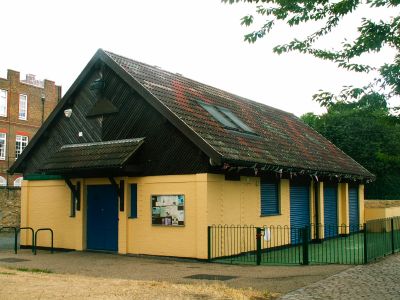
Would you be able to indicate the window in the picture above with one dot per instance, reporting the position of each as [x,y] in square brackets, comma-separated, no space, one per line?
[235,119]
[20,143]
[3,103]
[269,198]
[3,181]
[23,107]
[133,201]
[218,115]
[3,141]
[226,117]
[18,181]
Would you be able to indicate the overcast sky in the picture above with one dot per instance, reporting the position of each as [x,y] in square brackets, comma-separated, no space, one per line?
[202,40]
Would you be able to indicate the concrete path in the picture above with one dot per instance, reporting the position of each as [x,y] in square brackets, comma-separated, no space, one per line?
[277,279]
[378,281]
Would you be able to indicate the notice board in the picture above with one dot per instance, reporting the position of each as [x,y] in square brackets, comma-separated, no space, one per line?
[168,210]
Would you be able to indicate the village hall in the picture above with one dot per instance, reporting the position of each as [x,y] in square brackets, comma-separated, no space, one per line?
[138,160]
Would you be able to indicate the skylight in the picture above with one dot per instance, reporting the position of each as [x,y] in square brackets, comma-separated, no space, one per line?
[226,117]
[235,119]
[218,115]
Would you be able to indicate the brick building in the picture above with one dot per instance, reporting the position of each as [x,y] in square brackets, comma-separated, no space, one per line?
[24,106]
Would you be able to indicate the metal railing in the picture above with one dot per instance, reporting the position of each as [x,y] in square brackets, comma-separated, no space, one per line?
[382,237]
[314,244]
[51,236]
[34,236]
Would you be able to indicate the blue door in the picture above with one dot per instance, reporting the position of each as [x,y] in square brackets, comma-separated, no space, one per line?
[102,218]
[299,210]
[353,209]
[330,210]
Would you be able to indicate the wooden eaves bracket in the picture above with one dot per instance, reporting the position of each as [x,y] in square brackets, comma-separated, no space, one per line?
[119,188]
[75,196]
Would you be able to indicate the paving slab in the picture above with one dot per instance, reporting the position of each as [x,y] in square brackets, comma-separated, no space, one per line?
[379,281]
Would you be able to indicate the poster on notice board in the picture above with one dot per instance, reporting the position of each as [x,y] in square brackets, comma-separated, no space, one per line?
[168,210]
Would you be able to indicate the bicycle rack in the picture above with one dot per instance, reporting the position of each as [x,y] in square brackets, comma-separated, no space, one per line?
[33,236]
[36,234]
[15,235]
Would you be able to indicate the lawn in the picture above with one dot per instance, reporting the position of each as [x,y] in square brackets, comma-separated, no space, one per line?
[339,250]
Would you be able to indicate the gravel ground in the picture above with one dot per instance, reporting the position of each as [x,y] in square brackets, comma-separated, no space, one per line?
[276,279]
[32,284]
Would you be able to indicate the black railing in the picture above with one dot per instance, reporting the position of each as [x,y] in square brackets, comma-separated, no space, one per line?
[382,237]
[34,236]
[314,244]
[51,235]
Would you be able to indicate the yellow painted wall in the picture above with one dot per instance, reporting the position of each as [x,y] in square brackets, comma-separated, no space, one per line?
[343,204]
[209,199]
[189,240]
[381,209]
[361,203]
[321,216]
[47,204]
[234,202]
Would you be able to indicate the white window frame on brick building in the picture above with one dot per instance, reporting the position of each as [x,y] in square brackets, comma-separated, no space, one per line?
[3,181]
[21,141]
[18,182]
[3,103]
[23,107]
[3,144]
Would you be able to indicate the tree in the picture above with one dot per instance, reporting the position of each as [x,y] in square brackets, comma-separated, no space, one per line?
[367,132]
[372,37]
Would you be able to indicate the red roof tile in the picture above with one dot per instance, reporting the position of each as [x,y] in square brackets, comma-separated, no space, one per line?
[282,139]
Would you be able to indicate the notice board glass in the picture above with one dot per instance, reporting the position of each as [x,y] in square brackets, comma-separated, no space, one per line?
[168,210]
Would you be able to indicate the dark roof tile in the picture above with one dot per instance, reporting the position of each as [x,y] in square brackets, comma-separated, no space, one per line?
[100,155]
[283,139]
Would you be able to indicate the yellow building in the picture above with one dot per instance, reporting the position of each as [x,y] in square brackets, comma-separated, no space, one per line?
[138,160]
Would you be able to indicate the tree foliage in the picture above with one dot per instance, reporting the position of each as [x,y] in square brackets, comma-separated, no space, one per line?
[372,37]
[366,131]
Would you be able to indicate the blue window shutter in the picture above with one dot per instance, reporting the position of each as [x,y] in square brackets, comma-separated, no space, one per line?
[133,201]
[269,198]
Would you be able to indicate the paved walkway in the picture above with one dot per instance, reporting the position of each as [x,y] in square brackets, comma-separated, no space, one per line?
[277,279]
[378,281]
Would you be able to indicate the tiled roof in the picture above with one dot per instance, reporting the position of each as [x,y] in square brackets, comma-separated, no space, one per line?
[282,140]
[100,155]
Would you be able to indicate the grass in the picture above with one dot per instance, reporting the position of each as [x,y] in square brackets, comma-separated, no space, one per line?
[34,270]
[340,250]
[7,273]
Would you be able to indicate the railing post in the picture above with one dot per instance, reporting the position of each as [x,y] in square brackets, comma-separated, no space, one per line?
[365,244]
[15,240]
[208,243]
[258,238]
[392,233]
[304,234]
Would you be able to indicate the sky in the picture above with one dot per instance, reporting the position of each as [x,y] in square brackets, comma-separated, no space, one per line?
[202,40]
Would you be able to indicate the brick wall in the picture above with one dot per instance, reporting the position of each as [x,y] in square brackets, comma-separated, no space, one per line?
[38,111]
[10,206]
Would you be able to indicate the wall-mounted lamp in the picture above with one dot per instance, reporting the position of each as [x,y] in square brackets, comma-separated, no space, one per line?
[68,112]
